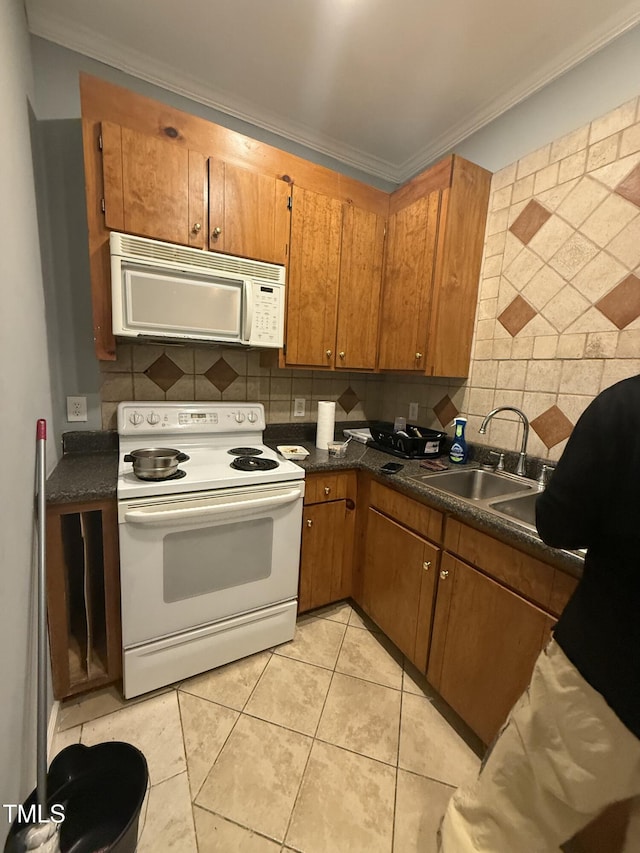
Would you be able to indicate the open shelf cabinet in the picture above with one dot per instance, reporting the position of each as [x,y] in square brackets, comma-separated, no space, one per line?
[83,596]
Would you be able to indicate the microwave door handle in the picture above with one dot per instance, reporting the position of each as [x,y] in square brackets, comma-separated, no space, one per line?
[248,310]
[187,514]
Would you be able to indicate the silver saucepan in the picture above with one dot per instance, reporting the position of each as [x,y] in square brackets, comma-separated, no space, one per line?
[155,463]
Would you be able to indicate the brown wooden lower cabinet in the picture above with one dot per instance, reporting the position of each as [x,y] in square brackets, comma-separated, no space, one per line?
[83,596]
[485,642]
[328,532]
[399,583]
[322,553]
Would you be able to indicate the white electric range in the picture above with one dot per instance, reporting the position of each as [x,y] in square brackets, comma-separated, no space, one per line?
[209,558]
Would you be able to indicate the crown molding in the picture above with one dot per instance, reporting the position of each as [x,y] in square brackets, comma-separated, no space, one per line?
[534,83]
[82,40]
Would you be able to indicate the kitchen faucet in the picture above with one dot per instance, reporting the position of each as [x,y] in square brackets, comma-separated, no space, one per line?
[522,459]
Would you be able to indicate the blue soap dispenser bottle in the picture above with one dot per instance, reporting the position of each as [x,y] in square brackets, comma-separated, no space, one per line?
[459,451]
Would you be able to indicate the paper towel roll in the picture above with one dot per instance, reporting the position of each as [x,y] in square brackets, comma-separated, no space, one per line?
[326,423]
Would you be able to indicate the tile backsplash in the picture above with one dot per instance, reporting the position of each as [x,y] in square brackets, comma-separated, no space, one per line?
[149,372]
[558,315]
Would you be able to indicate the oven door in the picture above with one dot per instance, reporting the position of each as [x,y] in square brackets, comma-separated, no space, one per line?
[191,560]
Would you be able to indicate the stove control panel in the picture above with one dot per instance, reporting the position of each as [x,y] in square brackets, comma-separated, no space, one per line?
[197,418]
[154,417]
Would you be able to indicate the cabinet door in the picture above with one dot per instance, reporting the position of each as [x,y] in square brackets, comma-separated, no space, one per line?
[459,256]
[153,187]
[249,213]
[399,584]
[485,643]
[360,283]
[323,531]
[408,284]
[312,288]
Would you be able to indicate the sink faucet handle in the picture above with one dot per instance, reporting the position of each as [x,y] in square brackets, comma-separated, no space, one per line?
[500,462]
[545,473]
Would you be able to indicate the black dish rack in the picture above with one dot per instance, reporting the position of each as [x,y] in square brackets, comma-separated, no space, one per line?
[414,442]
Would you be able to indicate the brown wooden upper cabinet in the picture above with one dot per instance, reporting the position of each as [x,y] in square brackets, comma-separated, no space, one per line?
[408,285]
[333,289]
[249,213]
[432,269]
[158,188]
[161,173]
[152,187]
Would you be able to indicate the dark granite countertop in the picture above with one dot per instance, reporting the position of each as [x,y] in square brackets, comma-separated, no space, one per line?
[362,457]
[92,475]
[80,477]
[88,469]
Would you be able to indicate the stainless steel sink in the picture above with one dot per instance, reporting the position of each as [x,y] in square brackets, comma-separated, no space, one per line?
[476,484]
[521,508]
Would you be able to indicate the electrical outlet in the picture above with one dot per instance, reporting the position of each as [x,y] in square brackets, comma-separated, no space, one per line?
[76,409]
[413,411]
[299,405]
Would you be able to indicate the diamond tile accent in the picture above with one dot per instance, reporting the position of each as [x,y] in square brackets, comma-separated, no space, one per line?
[445,410]
[553,426]
[164,372]
[348,399]
[622,304]
[221,374]
[516,315]
[530,221]
[630,187]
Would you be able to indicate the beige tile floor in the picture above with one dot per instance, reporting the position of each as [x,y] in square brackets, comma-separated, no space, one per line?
[331,743]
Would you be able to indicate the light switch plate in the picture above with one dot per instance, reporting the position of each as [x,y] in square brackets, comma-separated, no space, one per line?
[76,409]
[413,411]
[299,405]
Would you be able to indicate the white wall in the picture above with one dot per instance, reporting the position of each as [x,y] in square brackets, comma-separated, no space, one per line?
[56,72]
[25,395]
[600,83]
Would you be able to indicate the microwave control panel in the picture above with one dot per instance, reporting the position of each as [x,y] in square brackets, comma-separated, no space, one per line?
[267,327]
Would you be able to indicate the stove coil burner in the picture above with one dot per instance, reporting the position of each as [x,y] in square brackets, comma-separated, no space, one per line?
[177,475]
[245,451]
[250,463]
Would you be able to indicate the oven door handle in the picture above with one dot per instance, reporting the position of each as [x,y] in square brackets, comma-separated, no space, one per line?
[186,514]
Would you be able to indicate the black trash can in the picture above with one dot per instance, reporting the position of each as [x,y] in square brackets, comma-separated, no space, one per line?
[102,789]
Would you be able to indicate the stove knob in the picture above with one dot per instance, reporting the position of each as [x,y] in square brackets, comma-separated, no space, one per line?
[153,418]
[136,418]
[239,417]
[252,417]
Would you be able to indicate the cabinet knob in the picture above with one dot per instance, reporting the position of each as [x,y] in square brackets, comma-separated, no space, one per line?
[444,574]
[197,227]
[328,353]
[418,356]
[216,232]
[341,354]
[426,565]
[309,522]
[327,490]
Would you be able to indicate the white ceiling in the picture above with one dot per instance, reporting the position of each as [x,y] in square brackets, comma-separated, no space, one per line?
[386,87]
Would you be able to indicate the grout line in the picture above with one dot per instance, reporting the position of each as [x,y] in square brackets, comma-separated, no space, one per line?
[430,778]
[258,680]
[395,792]
[188,775]
[313,741]
[195,796]
[241,825]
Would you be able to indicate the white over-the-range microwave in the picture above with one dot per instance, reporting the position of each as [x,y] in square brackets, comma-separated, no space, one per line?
[163,291]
